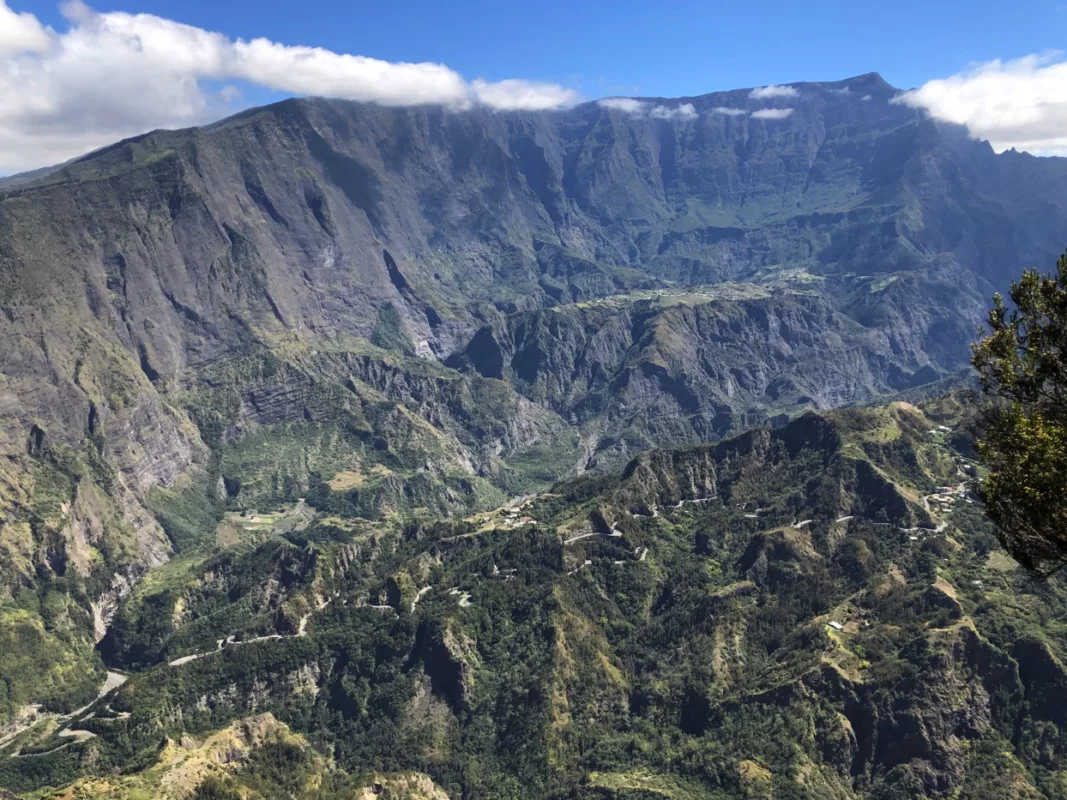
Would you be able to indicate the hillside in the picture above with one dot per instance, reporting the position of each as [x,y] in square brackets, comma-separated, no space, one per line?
[181,301]
[815,611]
[256,369]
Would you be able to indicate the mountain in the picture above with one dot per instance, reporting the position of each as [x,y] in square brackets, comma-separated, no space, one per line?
[346,319]
[311,222]
[819,610]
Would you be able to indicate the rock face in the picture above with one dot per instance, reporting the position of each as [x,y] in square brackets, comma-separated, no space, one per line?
[652,374]
[450,660]
[473,304]
[310,215]
[407,786]
[125,273]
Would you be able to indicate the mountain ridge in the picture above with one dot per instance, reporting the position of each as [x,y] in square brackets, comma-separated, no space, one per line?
[414,314]
[25,178]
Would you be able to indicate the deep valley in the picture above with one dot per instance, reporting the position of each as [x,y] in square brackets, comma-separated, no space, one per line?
[354,451]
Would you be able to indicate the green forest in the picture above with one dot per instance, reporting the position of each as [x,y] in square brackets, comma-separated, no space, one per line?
[818,610]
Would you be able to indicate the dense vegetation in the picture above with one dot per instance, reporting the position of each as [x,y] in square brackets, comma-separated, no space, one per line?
[816,611]
[1023,363]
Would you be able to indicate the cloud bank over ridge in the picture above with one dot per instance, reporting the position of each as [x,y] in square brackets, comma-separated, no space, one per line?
[1020,103]
[110,75]
[643,108]
[114,74]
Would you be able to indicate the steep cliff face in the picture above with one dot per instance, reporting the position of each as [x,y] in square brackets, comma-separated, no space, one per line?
[127,272]
[462,305]
[314,214]
[685,368]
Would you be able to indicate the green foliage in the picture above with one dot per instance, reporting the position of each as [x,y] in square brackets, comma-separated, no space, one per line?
[214,788]
[689,657]
[229,601]
[48,664]
[188,515]
[276,464]
[1023,363]
[389,333]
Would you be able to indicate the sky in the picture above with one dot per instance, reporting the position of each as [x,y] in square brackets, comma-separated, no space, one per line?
[74,77]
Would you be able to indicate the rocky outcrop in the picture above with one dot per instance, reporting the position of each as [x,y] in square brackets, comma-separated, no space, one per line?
[652,372]
[785,550]
[403,786]
[965,686]
[106,606]
[450,658]
[666,477]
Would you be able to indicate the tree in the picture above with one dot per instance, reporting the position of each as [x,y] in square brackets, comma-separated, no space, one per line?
[214,788]
[1023,365]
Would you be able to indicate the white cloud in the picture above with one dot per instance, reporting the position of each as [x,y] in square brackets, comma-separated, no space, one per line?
[768,92]
[22,33]
[730,112]
[844,91]
[866,98]
[523,95]
[312,70]
[1020,103]
[640,108]
[625,104]
[772,113]
[229,94]
[683,111]
[112,75]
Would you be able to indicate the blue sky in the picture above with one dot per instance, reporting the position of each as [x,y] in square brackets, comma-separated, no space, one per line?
[77,76]
[662,49]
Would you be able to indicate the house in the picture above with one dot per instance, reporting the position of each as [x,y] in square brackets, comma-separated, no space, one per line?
[837,626]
